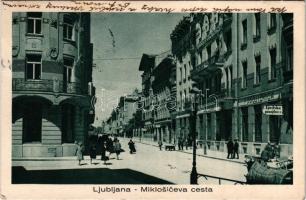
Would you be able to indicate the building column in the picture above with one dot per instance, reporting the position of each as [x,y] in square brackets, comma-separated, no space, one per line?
[213,126]
[235,124]
[265,128]
[251,123]
[205,127]
[167,134]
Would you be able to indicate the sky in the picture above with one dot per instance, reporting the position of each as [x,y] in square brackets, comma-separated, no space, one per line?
[119,40]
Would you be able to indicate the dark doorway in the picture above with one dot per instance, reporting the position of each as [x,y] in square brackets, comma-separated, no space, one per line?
[32,122]
[226,124]
[68,114]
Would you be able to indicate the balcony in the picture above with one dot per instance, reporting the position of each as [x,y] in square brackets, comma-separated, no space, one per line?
[45,85]
[210,65]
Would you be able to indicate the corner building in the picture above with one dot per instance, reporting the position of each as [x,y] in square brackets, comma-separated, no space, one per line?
[52,83]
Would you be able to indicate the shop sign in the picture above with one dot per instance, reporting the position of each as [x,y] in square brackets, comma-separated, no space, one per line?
[258,99]
[273,110]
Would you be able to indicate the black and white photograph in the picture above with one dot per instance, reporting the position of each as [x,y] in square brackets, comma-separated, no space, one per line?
[152,98]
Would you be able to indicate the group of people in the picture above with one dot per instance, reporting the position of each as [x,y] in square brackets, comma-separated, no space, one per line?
[183,142]
[270,152]
[232,149]
[102,145]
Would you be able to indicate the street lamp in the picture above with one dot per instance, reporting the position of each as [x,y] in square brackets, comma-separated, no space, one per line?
[193,119]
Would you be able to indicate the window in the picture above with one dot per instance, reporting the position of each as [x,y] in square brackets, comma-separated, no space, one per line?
[244,74]
[34,23]
[258,123]
[245,125]
[181,73]
[273,63]
[68,28]
[244,31]
[290,58]
[257,24]
[272,20]
[185,72]
[208,52]
[228,40]
[33,67]
[189,64]
[68,64]
[181,101]
[229,80]
[231,75]
[257,69]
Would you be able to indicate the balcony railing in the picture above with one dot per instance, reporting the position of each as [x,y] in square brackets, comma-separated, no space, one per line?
[46,85]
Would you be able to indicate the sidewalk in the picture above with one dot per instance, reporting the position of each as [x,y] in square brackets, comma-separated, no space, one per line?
[200,152]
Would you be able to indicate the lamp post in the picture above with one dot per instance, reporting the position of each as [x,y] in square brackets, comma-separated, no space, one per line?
[193,119]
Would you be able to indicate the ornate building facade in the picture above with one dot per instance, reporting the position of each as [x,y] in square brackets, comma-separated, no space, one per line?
[244,67]
[52,83]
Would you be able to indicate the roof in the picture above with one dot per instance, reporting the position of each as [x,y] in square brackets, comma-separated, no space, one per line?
[147,60]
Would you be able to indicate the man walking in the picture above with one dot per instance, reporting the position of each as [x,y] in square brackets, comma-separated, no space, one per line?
[160,144]
[236,149]
[230,147]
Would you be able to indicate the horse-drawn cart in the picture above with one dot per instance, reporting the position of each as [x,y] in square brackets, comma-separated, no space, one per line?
[274,172]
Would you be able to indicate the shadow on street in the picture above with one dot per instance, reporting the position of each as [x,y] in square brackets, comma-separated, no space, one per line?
[83,176]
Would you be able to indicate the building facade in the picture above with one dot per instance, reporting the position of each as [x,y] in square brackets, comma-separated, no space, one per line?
[184,57]
[158,101]
[122,118]
[244,67]
[164,91]
[52,83]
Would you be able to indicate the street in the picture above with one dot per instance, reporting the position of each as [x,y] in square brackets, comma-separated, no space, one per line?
[148,166]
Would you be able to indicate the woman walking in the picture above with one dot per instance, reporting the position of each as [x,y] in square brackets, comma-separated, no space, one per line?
[117,148]
[109,146]
[92,152]
[132,146]
[103,150]
[79,151]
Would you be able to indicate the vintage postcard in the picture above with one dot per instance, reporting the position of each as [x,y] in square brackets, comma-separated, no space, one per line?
[152,100]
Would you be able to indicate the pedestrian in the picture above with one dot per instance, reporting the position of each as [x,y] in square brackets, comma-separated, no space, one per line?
[236,149]
[103,151]
[230,149]
[117,148]
[160,144]
[186,144]
[92,152]
[267,153]
[132,146]
[179,143]
[109,146]
[79,151]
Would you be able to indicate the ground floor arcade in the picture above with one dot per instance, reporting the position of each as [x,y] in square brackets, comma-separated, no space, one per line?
[42,127]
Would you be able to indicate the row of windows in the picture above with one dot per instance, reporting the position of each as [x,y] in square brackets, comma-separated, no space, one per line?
[257,28]
[184,73]
[33,69]
[257,78]
[34,25]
